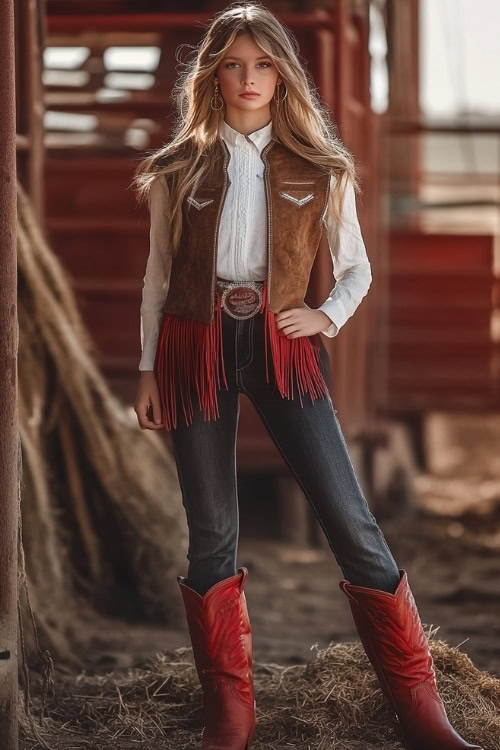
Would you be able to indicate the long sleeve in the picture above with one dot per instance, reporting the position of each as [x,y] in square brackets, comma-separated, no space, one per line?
[351,267]
[157,276]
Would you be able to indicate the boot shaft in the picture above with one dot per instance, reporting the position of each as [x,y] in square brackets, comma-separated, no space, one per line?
[220,632]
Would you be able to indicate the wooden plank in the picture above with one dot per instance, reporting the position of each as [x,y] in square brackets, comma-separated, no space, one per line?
[113,255]
[446,253]
[9,437]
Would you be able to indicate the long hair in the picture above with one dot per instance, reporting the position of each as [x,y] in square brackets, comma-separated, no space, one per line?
[300,122]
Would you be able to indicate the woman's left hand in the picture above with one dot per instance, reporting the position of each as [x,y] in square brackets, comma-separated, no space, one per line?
[301,321]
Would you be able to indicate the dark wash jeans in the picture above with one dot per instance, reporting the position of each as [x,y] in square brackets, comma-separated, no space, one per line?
[309,438]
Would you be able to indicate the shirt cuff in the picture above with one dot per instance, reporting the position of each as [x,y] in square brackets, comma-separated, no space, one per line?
[148,356]
[336,312]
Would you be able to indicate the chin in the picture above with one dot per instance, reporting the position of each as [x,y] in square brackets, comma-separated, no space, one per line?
[251,104]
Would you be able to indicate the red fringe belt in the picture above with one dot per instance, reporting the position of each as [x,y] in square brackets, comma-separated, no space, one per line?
[190,352]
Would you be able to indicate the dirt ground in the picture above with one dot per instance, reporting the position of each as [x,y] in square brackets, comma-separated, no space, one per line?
[449,545]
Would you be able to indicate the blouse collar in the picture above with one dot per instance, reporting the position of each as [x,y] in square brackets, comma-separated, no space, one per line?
[260,137]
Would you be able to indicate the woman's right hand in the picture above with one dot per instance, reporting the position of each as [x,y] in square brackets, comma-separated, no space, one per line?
[148,394]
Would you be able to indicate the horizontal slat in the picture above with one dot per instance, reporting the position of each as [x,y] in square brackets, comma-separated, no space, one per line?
[425,375]
[435,253]
[107,288]
[424,334]
[59,226]
[105,261]
[440,352]
[417,401]
[84,188]
[425,299]
[440,317]
[432,287]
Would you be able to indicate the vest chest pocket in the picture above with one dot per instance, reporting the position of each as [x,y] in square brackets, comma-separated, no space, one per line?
[297,197]
[298,192]
[199,202]
[202,198]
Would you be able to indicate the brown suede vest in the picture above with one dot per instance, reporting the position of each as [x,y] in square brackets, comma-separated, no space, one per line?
[296,193]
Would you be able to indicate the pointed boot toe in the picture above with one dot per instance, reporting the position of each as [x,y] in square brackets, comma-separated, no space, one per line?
[391,632]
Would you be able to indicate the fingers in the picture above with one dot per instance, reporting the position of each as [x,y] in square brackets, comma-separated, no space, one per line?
[284,320]
[286,331]
[297,321]
[156,409]
[285,328]
[145,411]
[284,315]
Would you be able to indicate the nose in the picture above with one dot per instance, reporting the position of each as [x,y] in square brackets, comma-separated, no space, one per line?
[246,77]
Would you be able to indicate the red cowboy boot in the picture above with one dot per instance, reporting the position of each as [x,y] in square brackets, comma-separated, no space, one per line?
[222,647]
[391,632]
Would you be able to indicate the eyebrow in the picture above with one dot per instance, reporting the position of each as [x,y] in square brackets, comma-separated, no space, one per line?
[232,57]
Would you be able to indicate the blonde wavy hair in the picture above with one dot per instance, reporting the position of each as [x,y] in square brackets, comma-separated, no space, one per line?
[300,122]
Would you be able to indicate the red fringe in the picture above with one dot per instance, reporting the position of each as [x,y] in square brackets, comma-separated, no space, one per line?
[299,356]
[190,352]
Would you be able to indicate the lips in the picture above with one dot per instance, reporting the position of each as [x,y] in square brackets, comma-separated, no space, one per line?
[250,95]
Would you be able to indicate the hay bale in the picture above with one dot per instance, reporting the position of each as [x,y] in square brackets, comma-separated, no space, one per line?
[332,701]
[103,528]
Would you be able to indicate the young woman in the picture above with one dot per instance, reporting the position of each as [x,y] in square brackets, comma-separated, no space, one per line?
[238,200]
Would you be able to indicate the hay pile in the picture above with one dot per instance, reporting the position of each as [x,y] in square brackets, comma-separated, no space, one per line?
[331,702]
[103,526]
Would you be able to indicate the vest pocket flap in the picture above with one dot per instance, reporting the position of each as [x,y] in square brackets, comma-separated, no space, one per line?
[201,199]
[297,197]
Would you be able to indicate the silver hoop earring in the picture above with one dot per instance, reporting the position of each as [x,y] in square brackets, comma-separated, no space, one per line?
[278,101]
[216,94]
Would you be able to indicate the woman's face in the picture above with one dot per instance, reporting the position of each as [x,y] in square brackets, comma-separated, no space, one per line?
[245,67]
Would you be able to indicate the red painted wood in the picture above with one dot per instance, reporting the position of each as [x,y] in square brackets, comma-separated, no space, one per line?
[441,302]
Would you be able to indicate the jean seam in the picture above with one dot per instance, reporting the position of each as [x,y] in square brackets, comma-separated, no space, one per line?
[297,479]
[184,493]
[182,488]
[236,355]
[250,354]
[236,484]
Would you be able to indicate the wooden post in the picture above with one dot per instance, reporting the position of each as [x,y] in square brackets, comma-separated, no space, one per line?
[404,59]
[8,385]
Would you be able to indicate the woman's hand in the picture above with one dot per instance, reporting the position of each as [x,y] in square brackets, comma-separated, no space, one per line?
[147,402]
[301,321]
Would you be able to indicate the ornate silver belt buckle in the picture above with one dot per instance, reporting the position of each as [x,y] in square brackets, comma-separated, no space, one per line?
[241,299]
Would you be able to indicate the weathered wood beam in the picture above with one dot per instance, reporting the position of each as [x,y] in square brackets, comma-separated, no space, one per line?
[8,386]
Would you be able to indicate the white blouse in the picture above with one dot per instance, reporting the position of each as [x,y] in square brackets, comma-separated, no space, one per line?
[242,242]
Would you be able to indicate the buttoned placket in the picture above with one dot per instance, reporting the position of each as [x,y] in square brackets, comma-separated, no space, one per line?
[247,161]
[244,205]
[240,217]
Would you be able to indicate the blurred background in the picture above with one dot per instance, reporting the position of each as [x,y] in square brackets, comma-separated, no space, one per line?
[412,86]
